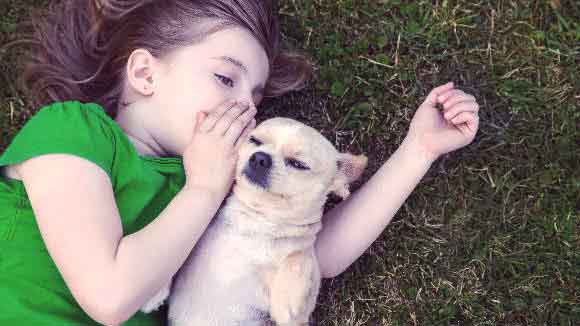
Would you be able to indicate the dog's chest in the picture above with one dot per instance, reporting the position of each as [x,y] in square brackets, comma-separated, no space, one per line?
[235,245]
[243,247]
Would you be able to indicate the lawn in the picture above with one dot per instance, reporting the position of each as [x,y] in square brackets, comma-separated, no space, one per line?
[491,235]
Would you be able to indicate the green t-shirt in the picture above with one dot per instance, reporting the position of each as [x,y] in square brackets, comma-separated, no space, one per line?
[32,291]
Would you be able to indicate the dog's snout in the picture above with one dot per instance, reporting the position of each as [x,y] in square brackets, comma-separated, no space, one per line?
[261,160]
[258,169]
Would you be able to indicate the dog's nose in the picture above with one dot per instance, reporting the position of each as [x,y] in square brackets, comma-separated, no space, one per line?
[260,161]
[258,169]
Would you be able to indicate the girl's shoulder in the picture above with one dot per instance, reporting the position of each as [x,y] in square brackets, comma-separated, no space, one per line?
[71,111]
[72,127]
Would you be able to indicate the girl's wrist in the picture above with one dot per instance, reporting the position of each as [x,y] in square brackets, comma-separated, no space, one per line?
[200,191]
[412,145]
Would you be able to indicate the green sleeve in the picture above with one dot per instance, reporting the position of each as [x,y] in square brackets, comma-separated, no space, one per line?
[65,127]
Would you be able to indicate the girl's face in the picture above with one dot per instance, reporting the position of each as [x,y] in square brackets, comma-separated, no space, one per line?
[229,64]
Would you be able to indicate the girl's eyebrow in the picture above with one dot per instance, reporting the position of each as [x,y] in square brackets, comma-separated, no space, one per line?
[233,61]
[239,64]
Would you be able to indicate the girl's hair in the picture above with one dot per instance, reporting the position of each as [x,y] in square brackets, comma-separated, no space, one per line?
[80,48]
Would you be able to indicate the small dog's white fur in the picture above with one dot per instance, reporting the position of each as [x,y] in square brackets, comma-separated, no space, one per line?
[256,259]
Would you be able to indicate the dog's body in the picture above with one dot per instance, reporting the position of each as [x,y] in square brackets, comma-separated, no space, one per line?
[256,258]
[228,279]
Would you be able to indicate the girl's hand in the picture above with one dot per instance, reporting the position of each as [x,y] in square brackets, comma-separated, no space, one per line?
[441,131]
[210,159]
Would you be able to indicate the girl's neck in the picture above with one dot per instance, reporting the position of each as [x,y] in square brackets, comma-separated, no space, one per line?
[131,121]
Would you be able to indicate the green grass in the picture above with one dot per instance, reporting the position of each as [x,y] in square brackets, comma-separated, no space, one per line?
[491,234]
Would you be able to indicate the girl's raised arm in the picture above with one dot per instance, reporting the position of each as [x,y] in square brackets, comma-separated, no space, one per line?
[354,224]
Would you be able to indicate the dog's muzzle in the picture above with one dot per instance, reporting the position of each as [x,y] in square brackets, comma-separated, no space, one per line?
[258,169]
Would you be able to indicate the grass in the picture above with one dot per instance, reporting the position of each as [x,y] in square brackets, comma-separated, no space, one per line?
[491,234]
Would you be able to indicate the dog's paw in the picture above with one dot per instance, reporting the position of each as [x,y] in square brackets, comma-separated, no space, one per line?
[281,314]
[157,300]
[292,308]
[289,296]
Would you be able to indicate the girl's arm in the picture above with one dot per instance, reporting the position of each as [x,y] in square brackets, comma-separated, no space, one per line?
[352,226]
[109,275]
[355,223]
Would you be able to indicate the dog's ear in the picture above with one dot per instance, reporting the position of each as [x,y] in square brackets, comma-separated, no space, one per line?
[350,168]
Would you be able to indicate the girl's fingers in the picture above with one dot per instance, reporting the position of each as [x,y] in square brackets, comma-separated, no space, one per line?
[199,118]
[471,119]
[442,98]
[458,108]
[240,124]
[213,117]
[229,118]
[435,92]
[451,101]
[245,135]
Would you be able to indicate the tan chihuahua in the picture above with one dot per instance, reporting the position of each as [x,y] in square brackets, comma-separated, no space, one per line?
[256,259]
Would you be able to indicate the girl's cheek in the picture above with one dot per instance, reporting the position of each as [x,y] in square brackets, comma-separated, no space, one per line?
[214,98]
[206,94]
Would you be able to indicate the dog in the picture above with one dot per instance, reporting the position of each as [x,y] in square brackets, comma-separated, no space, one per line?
[255,263]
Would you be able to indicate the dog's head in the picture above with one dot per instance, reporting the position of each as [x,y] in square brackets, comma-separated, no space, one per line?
[287,165]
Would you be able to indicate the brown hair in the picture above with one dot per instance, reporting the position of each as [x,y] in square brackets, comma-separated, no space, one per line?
[80,48]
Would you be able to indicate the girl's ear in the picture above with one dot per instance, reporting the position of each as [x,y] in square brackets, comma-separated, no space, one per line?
[350,168]
[140,72]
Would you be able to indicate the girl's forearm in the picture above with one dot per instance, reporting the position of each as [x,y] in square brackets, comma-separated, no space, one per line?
[146,260]
[355,223]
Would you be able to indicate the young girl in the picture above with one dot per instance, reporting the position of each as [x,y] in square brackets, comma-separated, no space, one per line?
[105,191]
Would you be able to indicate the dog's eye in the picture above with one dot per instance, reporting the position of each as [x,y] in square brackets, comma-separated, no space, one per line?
[297,164]
[255,141]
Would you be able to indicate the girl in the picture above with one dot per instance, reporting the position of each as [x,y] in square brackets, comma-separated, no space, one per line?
[106,190]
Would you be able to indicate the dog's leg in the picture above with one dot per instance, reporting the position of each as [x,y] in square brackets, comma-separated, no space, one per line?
[157,300]
[290,290]
[311,299]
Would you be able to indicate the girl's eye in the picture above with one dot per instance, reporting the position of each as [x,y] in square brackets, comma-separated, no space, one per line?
[297,164]
[255,141]
[225,80]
